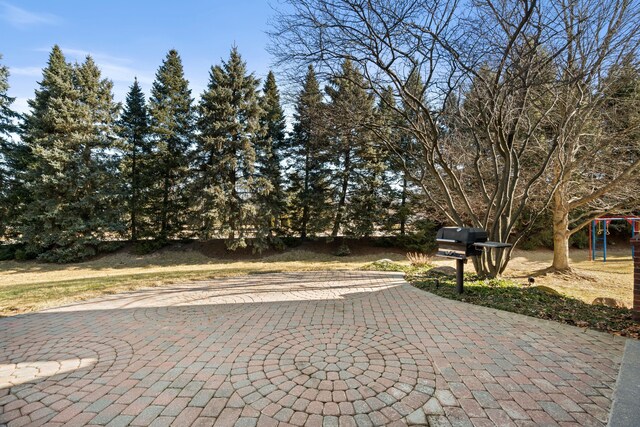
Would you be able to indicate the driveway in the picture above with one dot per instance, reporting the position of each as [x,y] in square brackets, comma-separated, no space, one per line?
[314,348]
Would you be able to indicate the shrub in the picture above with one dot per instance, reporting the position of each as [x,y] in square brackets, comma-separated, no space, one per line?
[538,238]
[23,254]
[8,252]
[384,265]
[144,247]
[531,301]
[421,239]
[580,239]
[68,254]
[278,244]
[343,250]
[291,241]
[418,259]
[110,246]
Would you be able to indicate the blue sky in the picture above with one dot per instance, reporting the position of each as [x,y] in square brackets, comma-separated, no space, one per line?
[130,38]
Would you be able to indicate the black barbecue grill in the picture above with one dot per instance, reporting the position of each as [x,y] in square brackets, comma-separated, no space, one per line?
[461,243]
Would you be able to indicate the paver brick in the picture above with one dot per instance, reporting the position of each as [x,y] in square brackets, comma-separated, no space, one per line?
[108,414]
[187,416]
[319,348]
[122,421]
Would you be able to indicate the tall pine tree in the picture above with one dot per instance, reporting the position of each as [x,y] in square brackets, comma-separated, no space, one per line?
[356,163]
[230,129]
[392,130]
[10,153]
[309,204]
[71,176]
[133,128]
[171,130]
[269,155]
[372,195]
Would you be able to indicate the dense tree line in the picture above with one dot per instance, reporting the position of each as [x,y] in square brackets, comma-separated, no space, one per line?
[490,115]
[80,170]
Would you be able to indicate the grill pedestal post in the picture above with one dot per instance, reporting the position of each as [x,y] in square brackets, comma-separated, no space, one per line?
[460,275]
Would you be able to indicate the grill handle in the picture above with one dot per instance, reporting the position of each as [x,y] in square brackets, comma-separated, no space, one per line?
[447,241]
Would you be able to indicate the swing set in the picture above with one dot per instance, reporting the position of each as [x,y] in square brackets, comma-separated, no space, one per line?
[599,229]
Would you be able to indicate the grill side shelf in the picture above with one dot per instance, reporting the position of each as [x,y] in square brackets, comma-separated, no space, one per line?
[492,245]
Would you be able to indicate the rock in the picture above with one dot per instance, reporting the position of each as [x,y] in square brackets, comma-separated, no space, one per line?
[384,261]
[444,270]
[546,290]
[609,302]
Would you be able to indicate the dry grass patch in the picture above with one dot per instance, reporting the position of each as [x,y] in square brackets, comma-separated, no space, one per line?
[589,279]
[30,286]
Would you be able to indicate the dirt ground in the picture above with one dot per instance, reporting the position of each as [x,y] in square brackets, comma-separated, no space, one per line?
[193,261]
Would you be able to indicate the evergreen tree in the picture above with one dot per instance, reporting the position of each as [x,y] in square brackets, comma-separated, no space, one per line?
[71,175]
[171,130]
[406,143]
[134,130]
[229,125]
[350,118]
[10,153]
[372,195]
[388,125]
[309,199]
[269,155]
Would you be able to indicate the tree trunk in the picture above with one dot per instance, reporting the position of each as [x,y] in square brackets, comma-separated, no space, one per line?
[134,196]
[403,202]
[235,203]
[164,232]
[492,263]
[305,207]
[560,232]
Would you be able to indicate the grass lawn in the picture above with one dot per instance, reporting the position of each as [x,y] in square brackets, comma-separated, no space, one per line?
[29,286]
[611,279]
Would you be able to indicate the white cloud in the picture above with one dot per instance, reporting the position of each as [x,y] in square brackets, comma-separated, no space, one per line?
[22,18]
[26,71]
[81,54]
[112,67]
[119,73]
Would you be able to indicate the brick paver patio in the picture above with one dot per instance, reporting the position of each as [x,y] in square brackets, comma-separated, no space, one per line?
[329,348]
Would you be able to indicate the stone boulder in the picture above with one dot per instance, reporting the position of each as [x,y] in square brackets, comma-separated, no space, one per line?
[609,302]
[546,290]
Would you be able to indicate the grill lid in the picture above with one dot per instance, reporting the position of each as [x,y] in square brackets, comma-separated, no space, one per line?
[462,235]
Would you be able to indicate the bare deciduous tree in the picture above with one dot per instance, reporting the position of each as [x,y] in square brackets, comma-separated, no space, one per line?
[482,61]
[511,111]
[596,123]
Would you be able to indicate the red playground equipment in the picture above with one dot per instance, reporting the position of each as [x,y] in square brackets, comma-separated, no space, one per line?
[599,229]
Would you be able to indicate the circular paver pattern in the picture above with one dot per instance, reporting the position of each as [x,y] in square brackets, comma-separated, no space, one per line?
[188,314]
[298,349]
[328,370]
[56,359]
